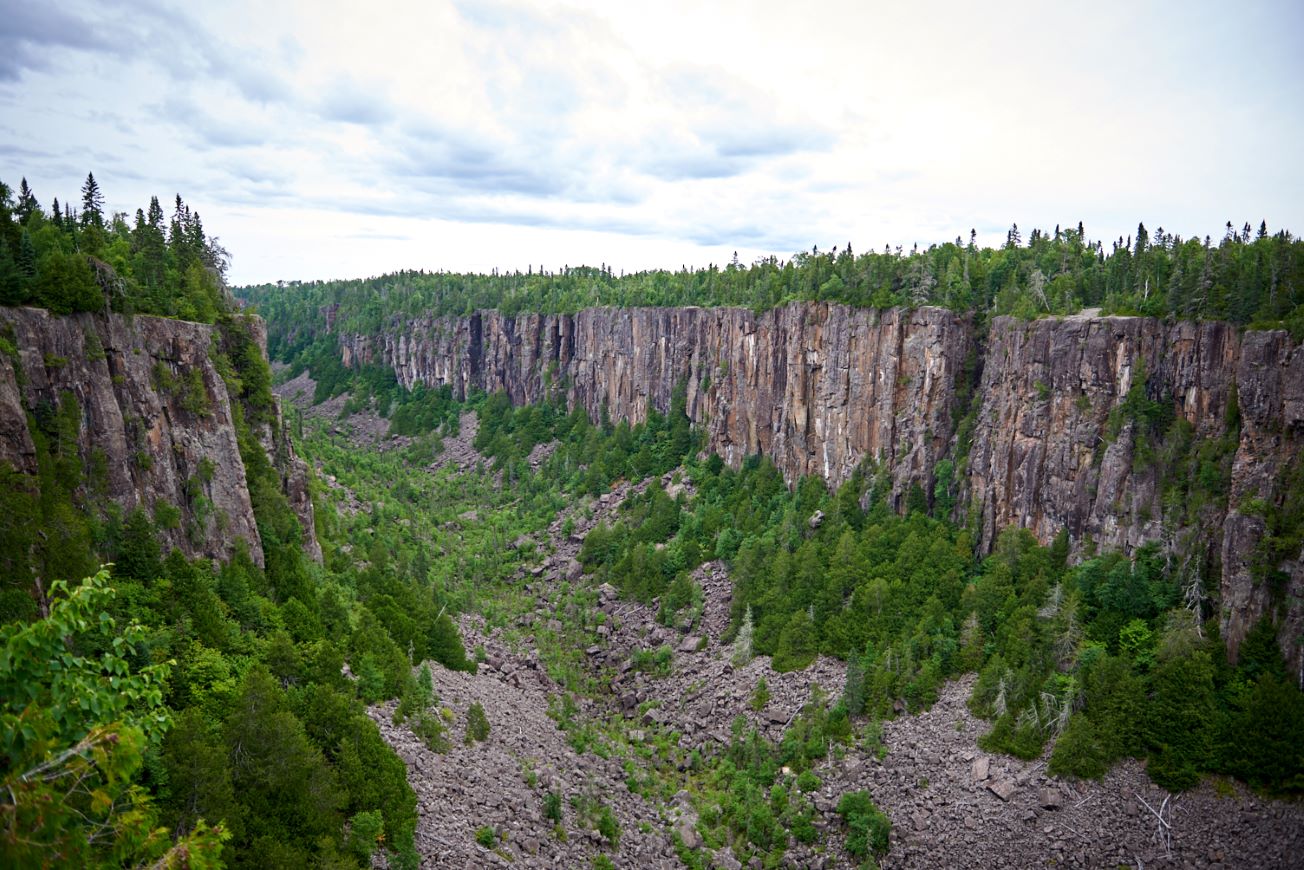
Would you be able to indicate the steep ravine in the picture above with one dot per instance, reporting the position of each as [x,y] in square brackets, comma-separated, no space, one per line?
[154,423]
[820,387]
[950,804]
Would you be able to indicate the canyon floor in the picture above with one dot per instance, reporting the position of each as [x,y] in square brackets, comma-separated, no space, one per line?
[950,804]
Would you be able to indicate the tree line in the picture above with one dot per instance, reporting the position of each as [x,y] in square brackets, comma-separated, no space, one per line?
[1245,276]
[70,259]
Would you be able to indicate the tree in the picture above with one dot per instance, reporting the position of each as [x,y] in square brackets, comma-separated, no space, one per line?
[92,202]
[26,255]
[76,723]
[138,552]
[798,643]
[289,792]
[742,647]
[199,780]
[446,645]
[27,204]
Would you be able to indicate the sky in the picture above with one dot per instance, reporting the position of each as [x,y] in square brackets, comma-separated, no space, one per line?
[331,139]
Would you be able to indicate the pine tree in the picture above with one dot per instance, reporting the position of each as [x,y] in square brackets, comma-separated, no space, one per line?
[742,647]
[27,256]
[92,202]
[27,203]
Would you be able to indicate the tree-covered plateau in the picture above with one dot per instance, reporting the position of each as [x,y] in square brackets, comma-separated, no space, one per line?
[1247,277]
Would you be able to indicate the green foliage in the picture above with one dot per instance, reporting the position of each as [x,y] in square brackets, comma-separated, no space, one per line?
[608,826]
[552,806]
[75,730]
[67,264]
[366,832]
[797,644]
[477,724]
[656,663]
[446,646]
[867,827]
[1077,751]
[486,837]
[760,696]
[1238,279]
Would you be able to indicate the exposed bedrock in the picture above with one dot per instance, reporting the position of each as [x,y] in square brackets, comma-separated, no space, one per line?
[153,422]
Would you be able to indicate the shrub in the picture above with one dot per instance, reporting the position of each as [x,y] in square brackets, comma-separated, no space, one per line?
[486,837]
[552,806]
[608,826]
[366,830]
[867,827]
[761,696]
[477,724]
[430,730]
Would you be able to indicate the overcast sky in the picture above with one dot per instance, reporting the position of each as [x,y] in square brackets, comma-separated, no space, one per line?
[324,139]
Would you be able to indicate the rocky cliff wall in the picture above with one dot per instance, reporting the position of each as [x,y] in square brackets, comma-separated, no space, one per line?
[1051,450]
[816,387]
[154,422]
[820,387]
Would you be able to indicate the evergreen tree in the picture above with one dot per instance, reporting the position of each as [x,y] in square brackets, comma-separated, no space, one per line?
[138,554]
[92,202]
[27,204]
[798,644]
[27,256]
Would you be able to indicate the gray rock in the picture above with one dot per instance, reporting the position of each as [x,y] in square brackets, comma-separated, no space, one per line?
[1002,788]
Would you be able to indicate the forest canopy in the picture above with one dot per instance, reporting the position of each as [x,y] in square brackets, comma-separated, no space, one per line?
[1247,277]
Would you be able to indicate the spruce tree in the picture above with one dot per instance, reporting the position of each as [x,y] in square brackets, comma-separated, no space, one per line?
[92,202]
[27,203]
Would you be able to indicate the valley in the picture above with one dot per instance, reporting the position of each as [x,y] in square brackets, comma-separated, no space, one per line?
[646,743]
[846,561]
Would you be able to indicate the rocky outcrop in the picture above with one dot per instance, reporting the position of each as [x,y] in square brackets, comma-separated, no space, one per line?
[153,422]
[816,387]
[819,388]
[1047,456]
[1052,449]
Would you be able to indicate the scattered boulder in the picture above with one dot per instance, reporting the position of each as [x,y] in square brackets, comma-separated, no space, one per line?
[1050,798]
[981,768]
[1002,788]
[687,830]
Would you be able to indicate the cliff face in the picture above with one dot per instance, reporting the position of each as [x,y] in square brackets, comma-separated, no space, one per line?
[154,422]
[816,387]
[1046,455]
[820,387]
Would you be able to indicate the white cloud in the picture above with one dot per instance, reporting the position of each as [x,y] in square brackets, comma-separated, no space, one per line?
[323,139]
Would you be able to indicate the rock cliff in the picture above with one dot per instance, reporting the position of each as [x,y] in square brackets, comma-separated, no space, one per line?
[816,387]
[154,422]
[1055,443]
[1053,451]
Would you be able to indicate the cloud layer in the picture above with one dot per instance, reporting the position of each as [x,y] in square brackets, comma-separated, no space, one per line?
[322,139]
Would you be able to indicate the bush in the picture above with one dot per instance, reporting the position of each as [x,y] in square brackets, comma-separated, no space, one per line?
[430,730]
[608,826]
[486,837]
[477,724]
[867,827]
[366,830]
[552,806]
[761,696]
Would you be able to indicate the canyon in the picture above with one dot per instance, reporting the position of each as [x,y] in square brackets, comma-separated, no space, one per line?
[1024,423]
